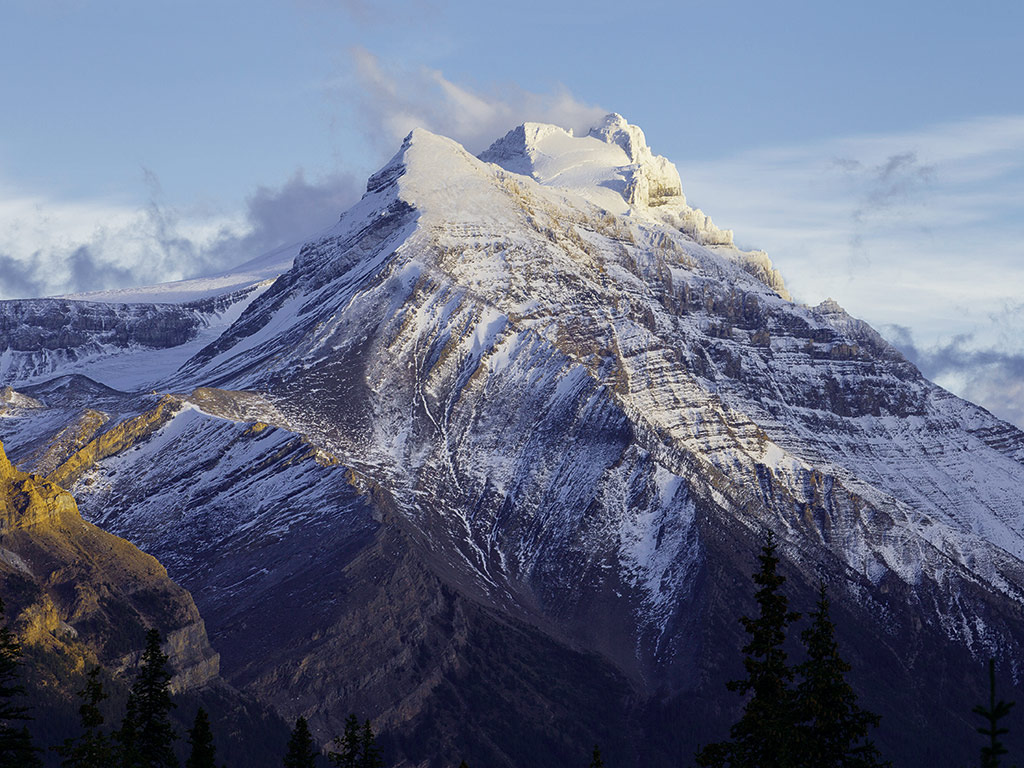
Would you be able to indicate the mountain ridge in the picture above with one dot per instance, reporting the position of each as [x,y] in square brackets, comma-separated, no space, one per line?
[572,407]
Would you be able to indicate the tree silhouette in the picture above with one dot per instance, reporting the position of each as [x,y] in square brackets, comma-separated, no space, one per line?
[993,713]
[301,752]
[93,749]
[146,736]
[763,737]
[349,745]
[16,750]
[202,753]
[833,729]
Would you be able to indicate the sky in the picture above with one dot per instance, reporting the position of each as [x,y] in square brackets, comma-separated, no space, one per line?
[874,150]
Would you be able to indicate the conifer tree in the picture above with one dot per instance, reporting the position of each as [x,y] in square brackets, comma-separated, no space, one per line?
[595,760]
[146,736]
[993,713]
[369,755]
[349,745]
[93,749]
[833,729]
[16,749]
[763,736]
[202,753]
[301,752]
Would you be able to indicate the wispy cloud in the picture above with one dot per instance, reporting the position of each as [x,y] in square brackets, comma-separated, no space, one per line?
[890,185]
[50,247]
[392,101]
[373,11]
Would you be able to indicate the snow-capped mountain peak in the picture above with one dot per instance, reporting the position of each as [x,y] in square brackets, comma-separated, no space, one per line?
[612,167]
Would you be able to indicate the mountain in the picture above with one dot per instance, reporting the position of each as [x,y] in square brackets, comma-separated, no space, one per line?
[491,460]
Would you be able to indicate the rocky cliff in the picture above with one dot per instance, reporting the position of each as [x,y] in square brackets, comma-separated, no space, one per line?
[71,586]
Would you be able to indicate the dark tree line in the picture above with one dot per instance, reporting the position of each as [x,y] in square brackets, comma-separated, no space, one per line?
[793,717]
[808,715]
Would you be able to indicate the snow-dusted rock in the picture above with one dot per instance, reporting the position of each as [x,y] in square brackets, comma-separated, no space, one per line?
[552,392]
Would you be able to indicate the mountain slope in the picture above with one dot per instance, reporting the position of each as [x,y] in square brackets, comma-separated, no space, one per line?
[535,402]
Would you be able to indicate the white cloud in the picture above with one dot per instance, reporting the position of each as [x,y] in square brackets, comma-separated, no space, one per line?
[393,101]
[49,246]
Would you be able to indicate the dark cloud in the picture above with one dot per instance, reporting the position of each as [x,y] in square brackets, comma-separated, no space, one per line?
[287,214]
[990,377]
[161,243]
[18,277]
[86,269]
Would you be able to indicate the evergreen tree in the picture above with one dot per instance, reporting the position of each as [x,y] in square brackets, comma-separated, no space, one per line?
[833,730]
[763,736]
[993,713]
[202,753]
[349,745]
[301,752]
[146,736]
[93,749]
[369,755]
[16,750]
[463,764]
[595,760]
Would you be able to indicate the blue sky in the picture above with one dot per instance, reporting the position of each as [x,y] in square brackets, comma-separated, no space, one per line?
[876,150]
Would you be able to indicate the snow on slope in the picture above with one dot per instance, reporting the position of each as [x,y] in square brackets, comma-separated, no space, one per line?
[549,337]
[454,285]
[46,338]
[611,167]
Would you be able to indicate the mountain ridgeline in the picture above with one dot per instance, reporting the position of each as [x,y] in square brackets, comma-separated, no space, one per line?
[492,460]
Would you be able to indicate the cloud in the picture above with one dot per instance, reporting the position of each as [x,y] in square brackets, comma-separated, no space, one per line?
[291,213]
[938,210]
[880,190]
[989,376]
[393,101]
[52,247]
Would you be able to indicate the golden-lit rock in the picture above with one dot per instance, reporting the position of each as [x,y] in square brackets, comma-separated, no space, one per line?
[114,440]
[73,588]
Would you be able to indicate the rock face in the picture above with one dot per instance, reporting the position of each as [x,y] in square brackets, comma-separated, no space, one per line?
[67,580]
[491,464]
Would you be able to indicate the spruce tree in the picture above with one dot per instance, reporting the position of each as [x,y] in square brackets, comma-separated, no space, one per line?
[16,750]
[202,753]
[833,729]
[301,752]
[146,736]
[349,745]
[369,755]
[763,736]
[595,760]
[93,749]
[993,713]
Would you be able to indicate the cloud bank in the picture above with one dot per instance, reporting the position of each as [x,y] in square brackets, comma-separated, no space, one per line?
[986,375]
[50,247]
